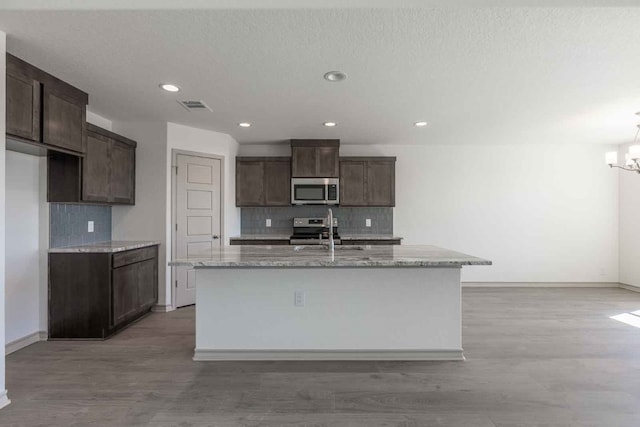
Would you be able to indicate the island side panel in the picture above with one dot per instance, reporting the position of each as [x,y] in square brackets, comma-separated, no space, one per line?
[349,313]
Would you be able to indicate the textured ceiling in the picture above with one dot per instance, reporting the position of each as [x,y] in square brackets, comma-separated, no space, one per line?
[477,75]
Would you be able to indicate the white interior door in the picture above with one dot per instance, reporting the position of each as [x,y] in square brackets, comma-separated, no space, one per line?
[198,219]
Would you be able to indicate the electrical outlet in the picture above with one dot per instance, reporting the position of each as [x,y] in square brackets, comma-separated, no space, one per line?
[268,222]
[90,226]
[367,222]
[299,298]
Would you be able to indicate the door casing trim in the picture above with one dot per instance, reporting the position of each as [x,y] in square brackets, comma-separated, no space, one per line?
[174,211]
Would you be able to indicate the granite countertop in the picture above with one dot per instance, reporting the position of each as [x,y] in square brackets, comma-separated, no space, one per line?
[342,236]
[318,256]
[104,247]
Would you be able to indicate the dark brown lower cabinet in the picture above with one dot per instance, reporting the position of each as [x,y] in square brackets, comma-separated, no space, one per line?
[93,295]
[365,242]
[261,242]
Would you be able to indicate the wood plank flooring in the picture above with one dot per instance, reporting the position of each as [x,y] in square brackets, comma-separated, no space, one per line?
[535,357]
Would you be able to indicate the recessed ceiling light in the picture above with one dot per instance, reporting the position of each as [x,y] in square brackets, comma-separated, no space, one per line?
[335,76]
[169,87]
[244,124]
[329,124]
[420,124]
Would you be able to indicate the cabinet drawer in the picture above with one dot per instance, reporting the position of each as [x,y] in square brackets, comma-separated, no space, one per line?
[133,256]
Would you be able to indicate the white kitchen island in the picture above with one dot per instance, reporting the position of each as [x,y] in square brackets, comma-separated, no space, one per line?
[304,303]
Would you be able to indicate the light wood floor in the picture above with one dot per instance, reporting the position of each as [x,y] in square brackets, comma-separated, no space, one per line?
[535,357]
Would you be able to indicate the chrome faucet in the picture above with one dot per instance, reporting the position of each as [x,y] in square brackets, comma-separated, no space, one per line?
[332,245]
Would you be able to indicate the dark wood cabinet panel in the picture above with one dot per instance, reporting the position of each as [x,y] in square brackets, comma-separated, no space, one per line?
[367,181]
[106,174]
[79,295]
[353,183]
[328,162]
[381,183]
[277,182]
[371,242]
[23,107]
[263,181]
[315,158]
[96,186]
[249,182]
[125,292]
[122,174]
[89,297]
[147,283]
[44,109]
[303,161]
[63,120]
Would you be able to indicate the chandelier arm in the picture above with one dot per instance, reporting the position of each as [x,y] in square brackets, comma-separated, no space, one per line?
[625,168]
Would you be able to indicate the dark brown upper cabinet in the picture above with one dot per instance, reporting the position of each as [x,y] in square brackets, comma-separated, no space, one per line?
[64,118]
[96,185]
[23,105]
[122,174]
[263,181]
[43,109]
[368,181]
[315,158]
[106,174]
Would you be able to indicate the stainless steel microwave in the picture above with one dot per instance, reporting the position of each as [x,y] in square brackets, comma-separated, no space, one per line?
[315,191]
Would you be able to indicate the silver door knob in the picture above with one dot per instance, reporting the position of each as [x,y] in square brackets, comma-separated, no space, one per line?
[215,237]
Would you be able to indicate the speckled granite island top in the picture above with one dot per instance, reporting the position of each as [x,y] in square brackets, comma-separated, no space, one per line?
[104,247]
[342,236]
[316,256]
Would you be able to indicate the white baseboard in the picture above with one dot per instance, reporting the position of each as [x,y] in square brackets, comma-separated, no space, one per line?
[540,284]
[4,399]
[201,355]
[630,287]
[25,341]
[162,308]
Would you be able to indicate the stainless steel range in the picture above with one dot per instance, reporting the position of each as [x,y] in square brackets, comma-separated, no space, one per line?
[313,231]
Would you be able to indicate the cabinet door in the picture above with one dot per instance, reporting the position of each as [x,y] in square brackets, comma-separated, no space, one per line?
[353,183]
[381,182]
[23,107]
[125,292]
[277,182]
[304,161]
[249,183]
[147,283]
[63,120]
[328,162]
[95,169]
[122,175]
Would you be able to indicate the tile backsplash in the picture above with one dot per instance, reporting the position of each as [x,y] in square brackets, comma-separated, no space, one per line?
[68,224]
[350,220]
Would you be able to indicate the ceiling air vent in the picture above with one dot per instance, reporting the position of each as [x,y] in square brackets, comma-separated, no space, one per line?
[195,105]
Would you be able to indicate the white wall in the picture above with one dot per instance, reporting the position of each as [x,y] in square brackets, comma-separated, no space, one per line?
[98,120]
[147,219]
[150,218]
[22,273]
[629,214]
[541,213]
[3,70]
